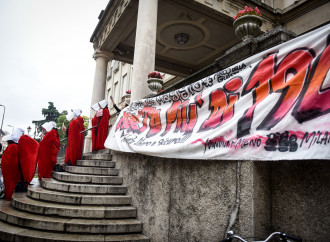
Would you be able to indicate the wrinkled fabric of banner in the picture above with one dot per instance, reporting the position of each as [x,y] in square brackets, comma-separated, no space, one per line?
[272,106]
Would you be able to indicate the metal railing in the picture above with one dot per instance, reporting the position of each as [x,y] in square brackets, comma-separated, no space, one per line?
[63,144]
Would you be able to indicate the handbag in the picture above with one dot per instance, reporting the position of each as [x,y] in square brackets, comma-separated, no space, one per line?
[22,185]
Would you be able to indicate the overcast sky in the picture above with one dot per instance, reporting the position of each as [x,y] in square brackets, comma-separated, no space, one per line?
[45,56]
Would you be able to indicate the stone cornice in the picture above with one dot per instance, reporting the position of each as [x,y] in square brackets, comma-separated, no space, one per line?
[112,13]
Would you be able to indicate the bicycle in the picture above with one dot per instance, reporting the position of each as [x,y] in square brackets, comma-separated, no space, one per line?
[283,237]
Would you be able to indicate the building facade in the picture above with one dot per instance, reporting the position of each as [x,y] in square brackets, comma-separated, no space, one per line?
[119,81]
[206,23]
[200,200]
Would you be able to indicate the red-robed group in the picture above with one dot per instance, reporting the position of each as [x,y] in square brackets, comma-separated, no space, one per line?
[23,154]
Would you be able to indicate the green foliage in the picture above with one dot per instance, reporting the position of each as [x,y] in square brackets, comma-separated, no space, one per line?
[50,113]
[86,121]
[60,121]
[64,112]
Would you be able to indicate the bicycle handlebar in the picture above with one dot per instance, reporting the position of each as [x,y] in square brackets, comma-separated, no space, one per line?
[227,240]
[298,239]
[283,236]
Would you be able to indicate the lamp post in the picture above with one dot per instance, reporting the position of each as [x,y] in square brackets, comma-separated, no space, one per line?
[3,116]
[29,130]
[11,127]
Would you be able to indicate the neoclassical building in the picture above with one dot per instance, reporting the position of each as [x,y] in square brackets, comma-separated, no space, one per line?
[180,38]
[195,200]
[147,34]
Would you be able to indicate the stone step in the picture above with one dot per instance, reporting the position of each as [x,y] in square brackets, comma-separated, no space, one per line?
[104,151]
[79,178]
[92,170]
[10,232]
[67,225]
[39,193]
[53,184]
[22,202]
[97,156]
[96,163]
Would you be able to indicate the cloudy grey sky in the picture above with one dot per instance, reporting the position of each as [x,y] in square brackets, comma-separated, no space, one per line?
[45,56]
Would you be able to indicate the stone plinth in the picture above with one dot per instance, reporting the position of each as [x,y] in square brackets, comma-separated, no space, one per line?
[198,200]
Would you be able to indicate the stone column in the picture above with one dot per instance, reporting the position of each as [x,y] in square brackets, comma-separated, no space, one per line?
[145,48]
[102,58]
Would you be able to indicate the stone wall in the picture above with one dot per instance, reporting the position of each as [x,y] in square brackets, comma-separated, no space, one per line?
[309,20]
[301,198]
[198,200]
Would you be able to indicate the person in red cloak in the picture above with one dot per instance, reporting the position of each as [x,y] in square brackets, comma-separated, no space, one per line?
[48,149]
[28,154]
[101,121]
[10,164]
[75,138]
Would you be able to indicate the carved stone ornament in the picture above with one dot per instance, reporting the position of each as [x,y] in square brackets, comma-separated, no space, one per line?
[247,26]
[155,84]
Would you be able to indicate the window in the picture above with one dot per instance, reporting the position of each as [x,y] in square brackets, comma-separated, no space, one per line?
[124,85]
[108,95]
[116,66]
[109,73]
[116,93]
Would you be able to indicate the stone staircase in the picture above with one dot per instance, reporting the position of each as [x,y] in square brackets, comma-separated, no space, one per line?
[87,202]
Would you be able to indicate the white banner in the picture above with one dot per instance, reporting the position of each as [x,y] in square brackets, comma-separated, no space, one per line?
[272,106]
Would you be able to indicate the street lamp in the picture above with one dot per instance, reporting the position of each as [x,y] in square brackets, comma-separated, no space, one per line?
[29,130]
[3,116]
[11,127]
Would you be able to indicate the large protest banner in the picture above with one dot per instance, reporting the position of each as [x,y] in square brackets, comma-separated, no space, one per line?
[272,106]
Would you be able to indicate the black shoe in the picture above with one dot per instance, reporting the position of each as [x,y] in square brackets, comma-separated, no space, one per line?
[58,168]
[2,194]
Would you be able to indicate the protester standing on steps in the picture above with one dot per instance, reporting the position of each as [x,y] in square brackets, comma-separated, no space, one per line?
[10,164]
[28,155]
[75,138]
[116,107]
[101,121]
[48,149]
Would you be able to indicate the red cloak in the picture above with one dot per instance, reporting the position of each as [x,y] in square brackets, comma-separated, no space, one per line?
[100,133]
[75,141]
[10,169]
[48,149]
[28,154]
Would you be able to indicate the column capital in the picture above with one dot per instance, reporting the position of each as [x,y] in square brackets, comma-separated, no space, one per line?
[102,54]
